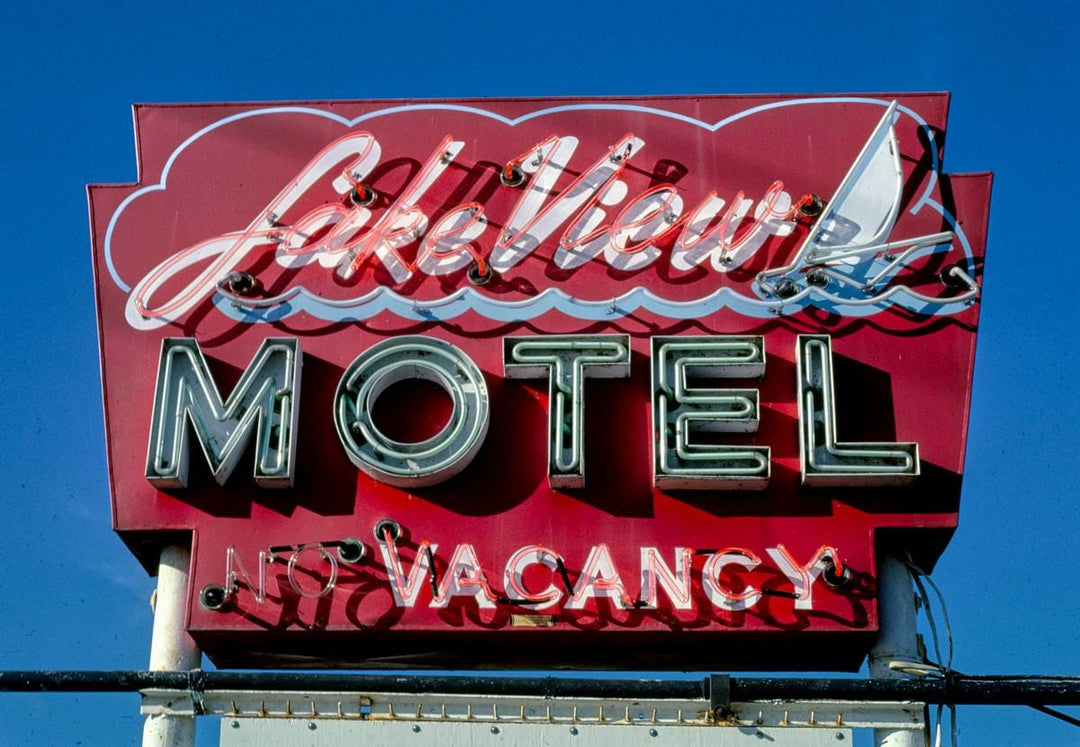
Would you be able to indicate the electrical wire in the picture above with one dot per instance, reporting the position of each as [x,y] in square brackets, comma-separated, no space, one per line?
[946,670]
[1056,714]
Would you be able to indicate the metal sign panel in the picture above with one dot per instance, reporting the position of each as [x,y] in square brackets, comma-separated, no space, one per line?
[617,382]
[301,733]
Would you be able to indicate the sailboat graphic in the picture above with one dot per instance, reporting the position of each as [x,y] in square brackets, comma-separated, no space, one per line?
[847,256]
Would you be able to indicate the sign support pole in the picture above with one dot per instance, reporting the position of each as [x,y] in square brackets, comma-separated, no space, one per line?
[897,639]
[171,648]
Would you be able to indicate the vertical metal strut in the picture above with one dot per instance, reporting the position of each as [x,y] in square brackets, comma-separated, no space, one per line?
[171,648]
[897,640]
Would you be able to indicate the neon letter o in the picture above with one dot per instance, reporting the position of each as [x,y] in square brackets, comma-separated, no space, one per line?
[405,464]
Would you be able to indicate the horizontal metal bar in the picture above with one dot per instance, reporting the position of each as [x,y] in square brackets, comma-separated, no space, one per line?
[956,689]
[500,709]
[197,680]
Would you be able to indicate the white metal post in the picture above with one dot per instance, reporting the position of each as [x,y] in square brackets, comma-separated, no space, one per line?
[897,640]
[171,648]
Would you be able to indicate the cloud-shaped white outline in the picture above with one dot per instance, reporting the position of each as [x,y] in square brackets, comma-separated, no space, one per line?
[575,307]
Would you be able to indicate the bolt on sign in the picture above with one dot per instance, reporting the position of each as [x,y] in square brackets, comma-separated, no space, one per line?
[628,382]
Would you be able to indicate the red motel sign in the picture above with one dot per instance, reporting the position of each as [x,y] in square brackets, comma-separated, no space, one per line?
[348,347]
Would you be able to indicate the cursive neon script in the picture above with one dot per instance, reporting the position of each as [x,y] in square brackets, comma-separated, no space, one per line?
[593,213]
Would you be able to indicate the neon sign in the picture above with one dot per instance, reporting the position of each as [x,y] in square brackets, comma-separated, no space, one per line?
[844,261]
[267,398]
[600,578]
[600,381]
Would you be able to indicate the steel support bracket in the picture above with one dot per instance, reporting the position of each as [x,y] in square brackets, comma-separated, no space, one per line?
[720,696]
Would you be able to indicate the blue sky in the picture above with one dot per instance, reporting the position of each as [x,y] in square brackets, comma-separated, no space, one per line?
[72,597]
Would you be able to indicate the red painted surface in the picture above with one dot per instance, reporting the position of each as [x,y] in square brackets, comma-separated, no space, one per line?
[900,377]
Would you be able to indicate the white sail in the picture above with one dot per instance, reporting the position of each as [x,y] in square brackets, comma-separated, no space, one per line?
[864,209]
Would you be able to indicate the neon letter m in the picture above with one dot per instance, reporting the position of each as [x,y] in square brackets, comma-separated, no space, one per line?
[266,400]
